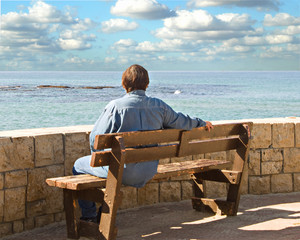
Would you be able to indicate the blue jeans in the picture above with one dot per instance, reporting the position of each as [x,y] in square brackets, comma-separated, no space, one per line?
[134,174]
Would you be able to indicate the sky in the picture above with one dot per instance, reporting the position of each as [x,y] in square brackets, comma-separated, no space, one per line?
[169,35]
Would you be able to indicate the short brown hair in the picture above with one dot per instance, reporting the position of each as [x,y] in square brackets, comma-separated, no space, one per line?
[135,78]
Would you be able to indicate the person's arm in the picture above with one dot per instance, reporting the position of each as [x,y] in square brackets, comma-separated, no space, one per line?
[178,120]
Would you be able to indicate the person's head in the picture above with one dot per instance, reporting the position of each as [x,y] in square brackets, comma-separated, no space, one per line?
[135,78]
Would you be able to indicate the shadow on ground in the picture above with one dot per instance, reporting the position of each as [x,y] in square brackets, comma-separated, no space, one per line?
[270,217]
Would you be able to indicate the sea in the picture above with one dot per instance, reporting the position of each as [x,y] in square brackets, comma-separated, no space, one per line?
[78,98]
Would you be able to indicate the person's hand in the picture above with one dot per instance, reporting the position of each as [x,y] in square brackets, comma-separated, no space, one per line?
[208,125]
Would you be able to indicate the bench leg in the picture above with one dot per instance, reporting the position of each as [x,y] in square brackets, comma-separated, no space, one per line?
[199,187]
[113,194]
[220,207]
[71,206]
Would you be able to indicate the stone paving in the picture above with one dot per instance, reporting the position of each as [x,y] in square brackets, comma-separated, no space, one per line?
[268,217]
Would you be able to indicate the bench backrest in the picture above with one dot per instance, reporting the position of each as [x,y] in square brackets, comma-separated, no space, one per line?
[158,144]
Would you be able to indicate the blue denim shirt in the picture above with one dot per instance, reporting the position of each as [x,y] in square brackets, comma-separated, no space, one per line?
[136,111]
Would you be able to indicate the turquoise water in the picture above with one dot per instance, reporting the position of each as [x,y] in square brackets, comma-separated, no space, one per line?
[208,95]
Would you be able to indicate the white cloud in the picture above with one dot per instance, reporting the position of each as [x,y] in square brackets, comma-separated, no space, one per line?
[198,20]
[281,19]
[78,60]
[45,13]
[199,24]
[291,30]
[294,48]
[254,41]
[130,47]
[73,44]
[261,5]
[142,9]
[279,39]
[43,30]
[167,45]
[118,25]
[285,51]
[124,45]
[83,25]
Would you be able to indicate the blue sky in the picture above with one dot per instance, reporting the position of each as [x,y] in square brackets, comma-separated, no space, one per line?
[197,35]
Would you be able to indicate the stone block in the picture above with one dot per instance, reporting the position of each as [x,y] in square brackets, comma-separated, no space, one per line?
[271,155]
[49,149]
[231,155]
[271,167]
[28,224]
[215,189]
[16,179]
[254,162]
[38,189]
[283,135]
[170,191]
[198,156]
[187,190]
[58,217]
[181,159]
[261,134]
[297,134]
[281,183]
[36,208]
[14,202]
[5,229]
[1,205]
[291,160]
[297,182]
[16,153]
[216,155]
[164,160]
[1,181]
[76,146]
[129,197]
[259,185]
[18,226]
[44,220]
[148,194]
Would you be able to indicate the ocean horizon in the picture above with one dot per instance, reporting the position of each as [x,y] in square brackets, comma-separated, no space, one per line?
[39,99]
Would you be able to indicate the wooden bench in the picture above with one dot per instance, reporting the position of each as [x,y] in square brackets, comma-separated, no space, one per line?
[130,147]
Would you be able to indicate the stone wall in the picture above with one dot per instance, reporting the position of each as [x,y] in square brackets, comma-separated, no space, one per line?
[28,157]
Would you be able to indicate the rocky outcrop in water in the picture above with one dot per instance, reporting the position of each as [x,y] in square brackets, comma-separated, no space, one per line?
[52,86]
[85,87]
[9,88]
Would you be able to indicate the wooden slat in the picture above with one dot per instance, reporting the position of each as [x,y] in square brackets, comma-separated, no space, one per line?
[188,167]
[147,154]
[219,131]
[52,181]
[140,138]
[227,176]
[102,158]
[77,182]
[168,151]
[216,145]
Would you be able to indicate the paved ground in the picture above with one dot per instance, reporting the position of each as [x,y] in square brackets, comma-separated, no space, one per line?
[267,217]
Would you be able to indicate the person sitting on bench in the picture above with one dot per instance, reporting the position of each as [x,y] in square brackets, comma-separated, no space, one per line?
[133,112]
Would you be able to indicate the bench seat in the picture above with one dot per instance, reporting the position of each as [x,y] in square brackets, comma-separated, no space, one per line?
[86,181]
